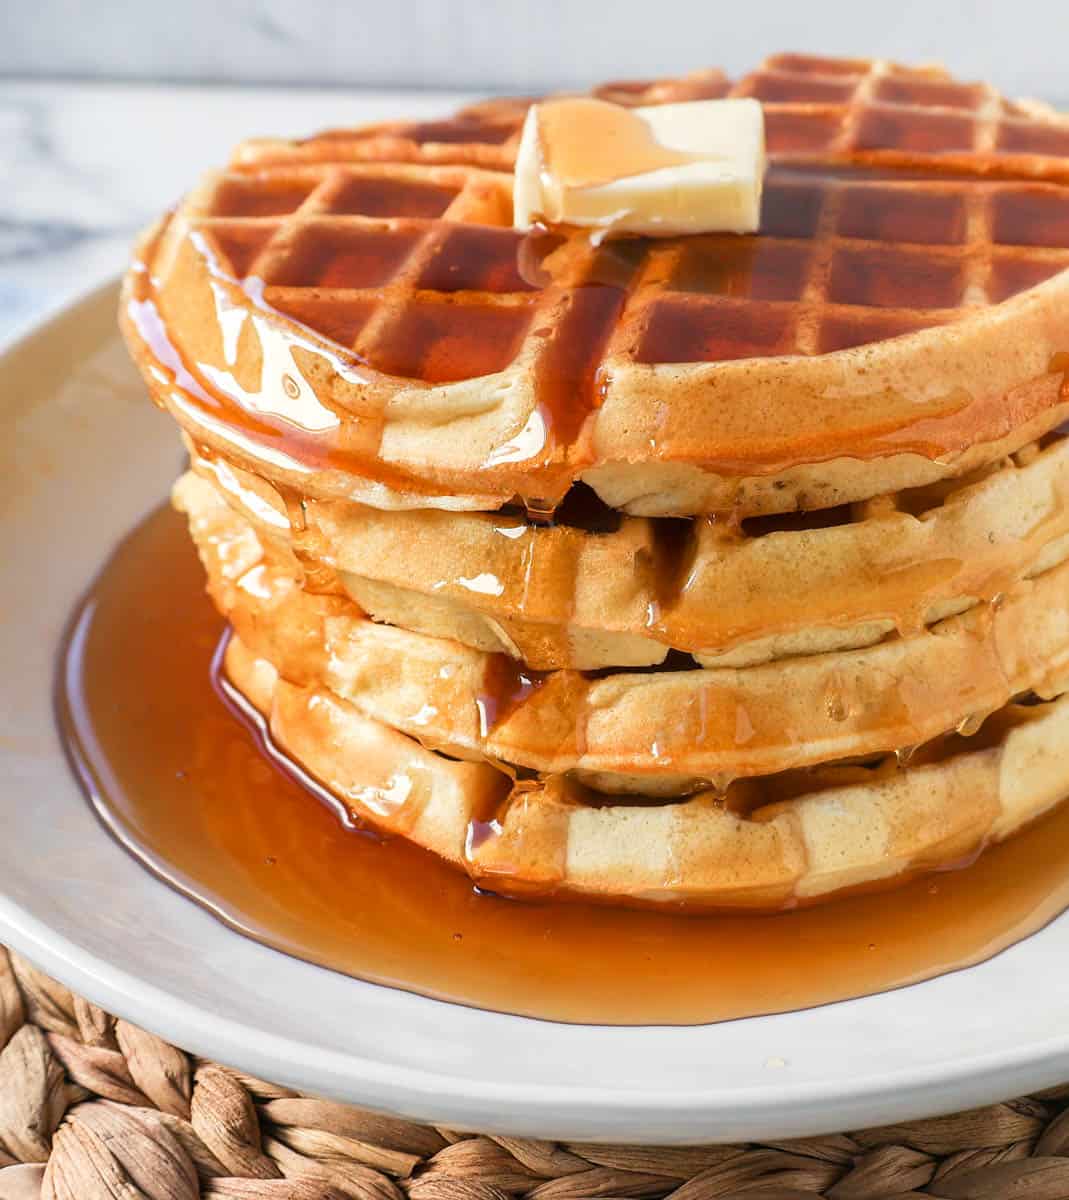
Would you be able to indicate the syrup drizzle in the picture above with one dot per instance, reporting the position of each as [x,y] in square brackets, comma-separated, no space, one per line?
[507,685]
[280,420]
[190,791]
[585,142]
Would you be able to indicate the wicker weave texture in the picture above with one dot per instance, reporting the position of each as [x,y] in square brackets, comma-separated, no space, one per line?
[93,1108]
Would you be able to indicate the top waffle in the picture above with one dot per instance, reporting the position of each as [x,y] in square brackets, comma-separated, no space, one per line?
[354,316]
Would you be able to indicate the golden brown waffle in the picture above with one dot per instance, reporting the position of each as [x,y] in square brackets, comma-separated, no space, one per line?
[666,731]
[606,591]
[355,322]
[848,666]
[800,837]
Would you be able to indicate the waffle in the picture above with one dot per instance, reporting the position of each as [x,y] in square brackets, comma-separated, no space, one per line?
[666,731]
[353,316]
[612,592]
[799,839]
[732,570]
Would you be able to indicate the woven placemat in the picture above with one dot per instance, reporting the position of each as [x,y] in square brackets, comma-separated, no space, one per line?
[93,1108]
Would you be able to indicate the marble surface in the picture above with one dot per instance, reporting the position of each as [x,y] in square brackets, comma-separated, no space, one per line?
[85,166]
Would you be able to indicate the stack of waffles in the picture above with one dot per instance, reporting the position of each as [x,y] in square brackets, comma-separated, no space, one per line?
[722,570]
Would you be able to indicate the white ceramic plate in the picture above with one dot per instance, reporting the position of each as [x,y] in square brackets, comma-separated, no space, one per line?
[85,456]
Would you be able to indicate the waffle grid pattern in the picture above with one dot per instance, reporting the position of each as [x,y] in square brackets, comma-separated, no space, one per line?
[831,106]
[840,263]
[442,298]
[674,377]
[432,295]
[416,269]
[814,106]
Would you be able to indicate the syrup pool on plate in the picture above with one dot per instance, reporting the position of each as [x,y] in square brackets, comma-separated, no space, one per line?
[195,792]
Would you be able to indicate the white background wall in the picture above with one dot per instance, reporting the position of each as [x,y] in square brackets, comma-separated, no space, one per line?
[1022,45]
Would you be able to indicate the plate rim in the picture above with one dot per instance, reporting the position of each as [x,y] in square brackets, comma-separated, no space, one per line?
[60,952]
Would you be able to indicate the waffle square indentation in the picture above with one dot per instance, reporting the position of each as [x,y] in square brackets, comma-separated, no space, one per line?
[1036,215]
[792,132]
[929,93]
[778,88]
[460,130]
[844,331]
[441,343]
[1014,273]
[890,128]
[687,331]
[381,197]
[241,245]
[260,196]
[1034,137]
[338,319]
[879,214]
[791,209]
[753,267]
[885,277]
[476,259]
[343,256]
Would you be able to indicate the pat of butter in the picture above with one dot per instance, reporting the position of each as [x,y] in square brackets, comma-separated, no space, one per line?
[659,170]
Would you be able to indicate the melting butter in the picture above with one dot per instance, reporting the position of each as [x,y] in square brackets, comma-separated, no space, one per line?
[695,167]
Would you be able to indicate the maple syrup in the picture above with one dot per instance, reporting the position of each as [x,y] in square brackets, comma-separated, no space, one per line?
[507,684]
[585,142]
[199,795]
